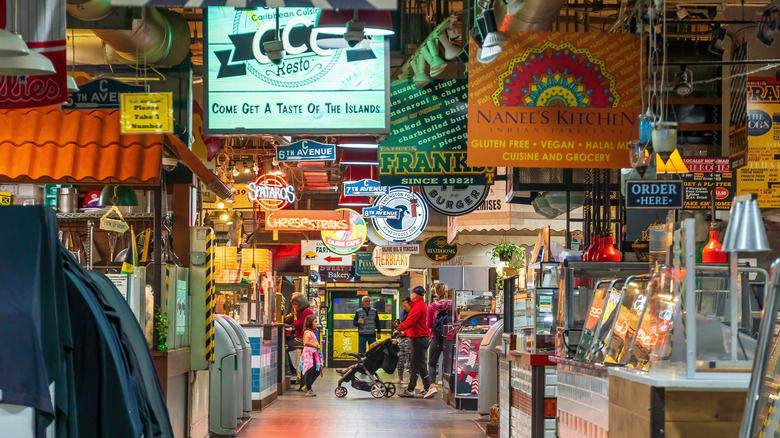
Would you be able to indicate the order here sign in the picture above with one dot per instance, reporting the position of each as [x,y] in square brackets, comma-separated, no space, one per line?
[654,194]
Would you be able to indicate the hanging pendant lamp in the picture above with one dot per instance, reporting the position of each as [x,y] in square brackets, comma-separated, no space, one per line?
[31,64]
[12,44]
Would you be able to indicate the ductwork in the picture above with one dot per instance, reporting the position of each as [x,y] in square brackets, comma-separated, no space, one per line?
[159,38]
[530,15]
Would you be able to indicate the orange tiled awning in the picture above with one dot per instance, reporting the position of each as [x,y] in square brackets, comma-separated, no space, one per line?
[47,145]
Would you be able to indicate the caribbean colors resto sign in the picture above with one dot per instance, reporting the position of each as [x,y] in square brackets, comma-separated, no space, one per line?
[761,174]
[555,99]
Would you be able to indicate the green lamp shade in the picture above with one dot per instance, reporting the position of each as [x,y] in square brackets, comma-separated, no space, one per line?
[121,196]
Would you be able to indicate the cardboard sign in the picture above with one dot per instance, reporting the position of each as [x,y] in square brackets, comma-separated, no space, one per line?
[654,194]
[555,100]
[428,144]
[307,220]
[306,150]
[147,113]
[761,173]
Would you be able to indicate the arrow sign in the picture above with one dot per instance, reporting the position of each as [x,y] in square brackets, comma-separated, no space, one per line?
[381,211]
[314,252]
[306,150]
[331,259]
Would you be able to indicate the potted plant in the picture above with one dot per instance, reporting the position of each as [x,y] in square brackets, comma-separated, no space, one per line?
[507,252]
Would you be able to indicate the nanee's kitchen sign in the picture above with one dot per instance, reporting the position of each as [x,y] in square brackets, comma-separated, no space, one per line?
[307,220]
[271,192]
[312,89]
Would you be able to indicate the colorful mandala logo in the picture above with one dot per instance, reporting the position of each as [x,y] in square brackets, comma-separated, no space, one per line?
[556,75]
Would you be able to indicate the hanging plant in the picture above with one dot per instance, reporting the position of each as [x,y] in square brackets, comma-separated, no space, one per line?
[513,255]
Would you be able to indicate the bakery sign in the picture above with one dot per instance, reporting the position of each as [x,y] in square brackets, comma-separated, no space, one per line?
[271,192]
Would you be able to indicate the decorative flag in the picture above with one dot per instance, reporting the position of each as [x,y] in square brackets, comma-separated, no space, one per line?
[131,261]
[42,25]
[465,346]
[475,386]
[469,379]
[461,373]
[472,359]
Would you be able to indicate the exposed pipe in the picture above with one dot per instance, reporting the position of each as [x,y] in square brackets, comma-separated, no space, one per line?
[160,37]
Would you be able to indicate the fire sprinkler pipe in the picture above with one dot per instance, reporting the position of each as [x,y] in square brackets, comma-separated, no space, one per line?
[160,37]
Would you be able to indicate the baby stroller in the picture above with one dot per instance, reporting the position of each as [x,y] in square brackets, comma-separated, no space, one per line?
[362,375]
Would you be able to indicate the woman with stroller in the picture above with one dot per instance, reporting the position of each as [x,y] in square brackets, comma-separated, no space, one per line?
[404,344]
[311,356]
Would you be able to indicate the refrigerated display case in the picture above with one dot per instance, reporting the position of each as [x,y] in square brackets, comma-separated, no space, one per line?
[460,367]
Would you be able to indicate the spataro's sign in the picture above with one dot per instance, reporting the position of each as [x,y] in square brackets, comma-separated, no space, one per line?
[319,86]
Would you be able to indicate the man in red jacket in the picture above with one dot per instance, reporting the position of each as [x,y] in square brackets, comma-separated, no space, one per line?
[415,328]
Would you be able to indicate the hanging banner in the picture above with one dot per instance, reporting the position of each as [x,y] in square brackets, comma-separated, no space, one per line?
[427,145]
[312,89]
[562,100]
[706,175]
[41,23]
[761,174]
[306,150]
[307,220]
[330,4]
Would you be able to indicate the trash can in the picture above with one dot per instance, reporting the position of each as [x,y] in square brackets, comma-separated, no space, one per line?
[223,399]
[244,354]
[488,368]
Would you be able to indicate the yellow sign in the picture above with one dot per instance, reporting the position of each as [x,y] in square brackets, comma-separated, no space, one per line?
[147,113]
[762,169]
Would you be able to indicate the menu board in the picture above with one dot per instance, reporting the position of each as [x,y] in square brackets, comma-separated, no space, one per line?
[630,312]
[761,174]
[704,176]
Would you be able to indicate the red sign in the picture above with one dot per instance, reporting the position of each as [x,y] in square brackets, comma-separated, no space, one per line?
[271,192]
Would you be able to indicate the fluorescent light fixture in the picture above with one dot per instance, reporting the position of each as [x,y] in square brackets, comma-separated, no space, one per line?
[365,142]
[336,22]
[359,157]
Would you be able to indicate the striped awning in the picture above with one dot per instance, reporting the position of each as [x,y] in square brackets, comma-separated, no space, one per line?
[389,5]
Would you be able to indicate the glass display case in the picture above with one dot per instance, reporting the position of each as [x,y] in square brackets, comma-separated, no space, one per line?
[533,302]
[234,300]
[577,282]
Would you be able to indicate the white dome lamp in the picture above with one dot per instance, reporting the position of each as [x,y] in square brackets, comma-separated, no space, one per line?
[12,44]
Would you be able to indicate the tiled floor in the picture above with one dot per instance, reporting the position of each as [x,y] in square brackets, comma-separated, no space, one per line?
[359,415]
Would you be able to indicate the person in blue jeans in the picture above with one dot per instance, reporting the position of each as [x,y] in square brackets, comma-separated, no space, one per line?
[367,321]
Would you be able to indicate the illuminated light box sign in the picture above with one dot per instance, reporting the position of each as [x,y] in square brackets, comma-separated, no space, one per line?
[307,220]
[315,89]
[561,100]
[654,194]
[346,241]
[271,192]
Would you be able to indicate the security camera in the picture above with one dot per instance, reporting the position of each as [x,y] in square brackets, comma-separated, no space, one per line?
[354,34]
[274,50]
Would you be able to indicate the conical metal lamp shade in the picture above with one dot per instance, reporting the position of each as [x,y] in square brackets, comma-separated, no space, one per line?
[31,64]
[746,231]
[73,87]
[432,58]
[121,196]
[12,44]
[420,78]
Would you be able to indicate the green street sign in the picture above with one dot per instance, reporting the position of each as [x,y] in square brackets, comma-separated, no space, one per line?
[438,250]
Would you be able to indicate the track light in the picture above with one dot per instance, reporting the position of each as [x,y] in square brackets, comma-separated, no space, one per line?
[451,51]
[274,49]
[355,32]
[490,31]
[420,78]
[766,28]
[431,56]
[486,28]
[716,42]
[683,87]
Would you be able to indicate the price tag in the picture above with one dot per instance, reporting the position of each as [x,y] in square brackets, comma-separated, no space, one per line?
[116,225]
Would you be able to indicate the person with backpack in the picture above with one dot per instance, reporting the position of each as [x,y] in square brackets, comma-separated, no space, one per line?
[441,314]
[415,329]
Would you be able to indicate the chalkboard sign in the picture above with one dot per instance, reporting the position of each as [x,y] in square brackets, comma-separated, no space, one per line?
[654,194]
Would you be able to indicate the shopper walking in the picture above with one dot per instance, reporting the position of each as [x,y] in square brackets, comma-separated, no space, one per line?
[311,357]
[367,321]
[296,318]
[441,313]
[415,328]
[404,343]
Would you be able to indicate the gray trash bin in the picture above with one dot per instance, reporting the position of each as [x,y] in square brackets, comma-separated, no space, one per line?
[223,399]
[244,365]
[488,368]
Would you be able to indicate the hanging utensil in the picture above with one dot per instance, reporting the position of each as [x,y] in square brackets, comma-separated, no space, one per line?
[112,236]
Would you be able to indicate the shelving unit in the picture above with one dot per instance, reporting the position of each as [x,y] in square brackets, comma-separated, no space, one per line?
[87,216]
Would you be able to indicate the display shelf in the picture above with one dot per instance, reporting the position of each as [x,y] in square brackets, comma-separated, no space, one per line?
[676,378]
[86,216]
